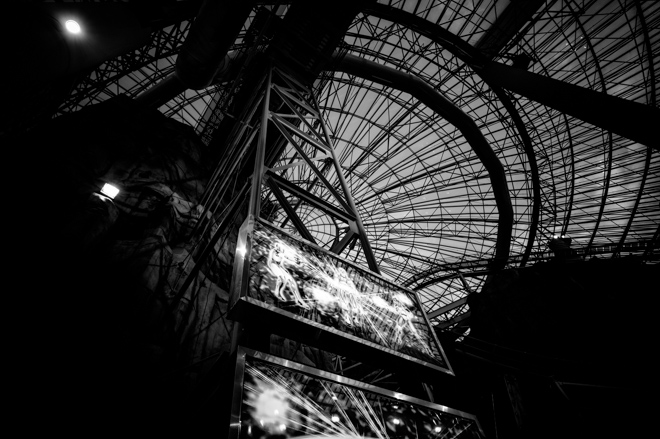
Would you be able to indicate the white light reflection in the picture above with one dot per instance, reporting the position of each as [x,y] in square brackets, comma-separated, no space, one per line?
[271,407]
[241,250]
[322,287]
[300,413]
[109,190]
[72,26]
[309,414]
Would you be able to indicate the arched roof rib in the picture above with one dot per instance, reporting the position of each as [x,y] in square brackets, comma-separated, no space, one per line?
[425,93]
[401,145]
[570,177]
[393,14]
[651,100]
[403,57]
[616,54]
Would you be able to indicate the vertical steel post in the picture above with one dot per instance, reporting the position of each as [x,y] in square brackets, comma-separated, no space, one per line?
[260,155]
[366,246]
[240,273]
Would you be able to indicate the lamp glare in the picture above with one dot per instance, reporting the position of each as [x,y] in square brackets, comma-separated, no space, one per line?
[109,191]
[72,26]
[241,250]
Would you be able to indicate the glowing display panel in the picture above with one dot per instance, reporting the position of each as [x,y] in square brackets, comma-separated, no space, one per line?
[308,282]
[285,399]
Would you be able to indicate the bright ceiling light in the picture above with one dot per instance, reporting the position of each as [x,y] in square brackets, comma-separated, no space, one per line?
[72,26]
[109,191]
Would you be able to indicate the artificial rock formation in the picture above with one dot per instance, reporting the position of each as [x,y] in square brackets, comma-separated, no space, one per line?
[122,345]
[128,345]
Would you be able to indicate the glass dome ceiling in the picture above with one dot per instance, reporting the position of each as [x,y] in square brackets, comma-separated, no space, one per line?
[425,197]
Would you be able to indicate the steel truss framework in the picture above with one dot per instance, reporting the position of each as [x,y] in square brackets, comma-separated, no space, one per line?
[428,206]
[300,180]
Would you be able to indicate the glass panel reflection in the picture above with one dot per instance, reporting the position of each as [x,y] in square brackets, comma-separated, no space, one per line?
[281,402]
[309,282]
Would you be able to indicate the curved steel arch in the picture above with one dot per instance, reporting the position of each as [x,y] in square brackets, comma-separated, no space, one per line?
[606,180]
[423,120]
[431,98]
[385,129]
[473,58]
[649,151]
[495,75]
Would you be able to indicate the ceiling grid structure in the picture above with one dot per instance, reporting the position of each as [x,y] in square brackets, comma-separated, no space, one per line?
[425,196]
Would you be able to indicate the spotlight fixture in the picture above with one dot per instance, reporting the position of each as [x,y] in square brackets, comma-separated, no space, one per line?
[109,191]
[335,418]
[72,26]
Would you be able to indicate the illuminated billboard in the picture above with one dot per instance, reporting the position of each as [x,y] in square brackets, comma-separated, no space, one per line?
[279,398]
[351,308]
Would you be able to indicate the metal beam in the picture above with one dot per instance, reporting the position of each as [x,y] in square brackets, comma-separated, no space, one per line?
[626,118]
[295,219]
[254,206]
[459,318]
[506,26]
[533,167]
[629,119]
[364,239]
[306,159]
[447,308]
[651,101]
[435,33]
[310,185]
[478,267]
[340,245]
[212,34]
[311,199]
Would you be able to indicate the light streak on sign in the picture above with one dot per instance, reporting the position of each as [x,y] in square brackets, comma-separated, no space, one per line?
[309,282]
[284,402]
